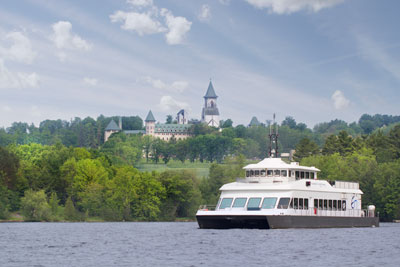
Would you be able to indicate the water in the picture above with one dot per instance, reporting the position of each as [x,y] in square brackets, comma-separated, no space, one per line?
[183,244]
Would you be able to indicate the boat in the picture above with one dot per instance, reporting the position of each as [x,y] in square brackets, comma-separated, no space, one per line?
[276,194]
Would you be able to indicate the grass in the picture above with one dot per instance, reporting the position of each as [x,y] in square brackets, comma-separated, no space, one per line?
[201,169]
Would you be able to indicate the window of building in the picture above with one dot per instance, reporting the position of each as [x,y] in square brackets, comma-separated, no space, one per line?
[251,173]
[302,175]
[269,173]
[262,173]
[284,173]
[239,202]
[315,203]
[290,174]
[339,205]
[247,173]
[277,173]
[320,204]
[269,203]
[297,175]
[254,203]
[300,203]
[312,175]
[283,203]
[334,206]
[257,173]
[325,204]
[306,203]
[307,175]
[226,203]
[330,204]
[296,203]
[343,204]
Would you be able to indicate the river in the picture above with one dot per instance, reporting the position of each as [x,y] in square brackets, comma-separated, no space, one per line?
[183,244]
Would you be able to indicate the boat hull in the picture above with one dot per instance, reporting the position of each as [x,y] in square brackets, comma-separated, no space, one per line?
[282,221]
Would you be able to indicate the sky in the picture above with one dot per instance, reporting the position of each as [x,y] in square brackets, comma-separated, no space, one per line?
[314,60]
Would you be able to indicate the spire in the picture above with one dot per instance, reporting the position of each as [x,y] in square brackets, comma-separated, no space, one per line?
[150,117]
[254,122]
[112,126]
[210,91]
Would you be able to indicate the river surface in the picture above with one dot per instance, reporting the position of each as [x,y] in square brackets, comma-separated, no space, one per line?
[183,244]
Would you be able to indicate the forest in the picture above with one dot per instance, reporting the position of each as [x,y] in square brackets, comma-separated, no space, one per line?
[63,171]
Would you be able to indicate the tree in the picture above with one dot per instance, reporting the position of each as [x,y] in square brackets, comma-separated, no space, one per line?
[9,165]
[227,124]
[305,148]
[169,119]
[34,206]
[290,122]
[53,202]
[70,213]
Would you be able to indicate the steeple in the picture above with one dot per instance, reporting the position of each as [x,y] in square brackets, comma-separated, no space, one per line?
[210,91]
[150,117]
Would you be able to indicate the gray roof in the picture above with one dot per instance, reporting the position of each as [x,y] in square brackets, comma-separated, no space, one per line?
[210,92]
[112,126]
[210,111]
[254,122]
[150,117]
[134,132]
[172,128]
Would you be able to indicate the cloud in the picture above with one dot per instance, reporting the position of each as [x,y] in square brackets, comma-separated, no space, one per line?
[339,100]
[225,2]
[205,13]
[291,6]
[90,81]
[6,108]
[18,80]
[20,50]
[176,86]
[142,23]
[35,112]
[140,3]
[167,103]
[177,26]
[63,37]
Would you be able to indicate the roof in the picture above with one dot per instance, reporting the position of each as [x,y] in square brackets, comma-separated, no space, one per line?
[210,111]
[112,126]
[172,128]
[254,122]
[277,163]
[150,117]
[210,92]
[134,132]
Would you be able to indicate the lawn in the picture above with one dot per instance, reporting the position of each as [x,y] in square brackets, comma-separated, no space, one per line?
[201,169]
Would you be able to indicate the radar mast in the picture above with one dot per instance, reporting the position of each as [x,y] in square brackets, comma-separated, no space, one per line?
[273,139]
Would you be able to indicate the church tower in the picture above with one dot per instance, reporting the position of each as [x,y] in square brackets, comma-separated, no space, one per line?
[210,114]
[150,123]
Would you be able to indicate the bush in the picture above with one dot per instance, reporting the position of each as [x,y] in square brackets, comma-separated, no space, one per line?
[34,206]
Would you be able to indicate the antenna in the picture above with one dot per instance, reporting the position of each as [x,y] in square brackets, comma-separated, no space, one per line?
[273,139]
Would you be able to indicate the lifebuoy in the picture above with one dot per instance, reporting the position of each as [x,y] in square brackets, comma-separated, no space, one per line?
[315,210]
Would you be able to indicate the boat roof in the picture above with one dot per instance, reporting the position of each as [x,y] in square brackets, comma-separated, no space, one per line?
[278,163]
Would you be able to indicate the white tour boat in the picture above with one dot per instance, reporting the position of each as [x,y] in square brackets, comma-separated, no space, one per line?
[276,194]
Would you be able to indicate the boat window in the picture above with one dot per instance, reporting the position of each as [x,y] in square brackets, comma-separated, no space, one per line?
[296,203]
[277,172]
[325,204]
[297,175]
[269,203]
[315,203]
[339,205]
[343,204]
[334,205]
[320,204]
[284,173]
[257,173]
[283,203]
[330,204]
[239,202]
[300,203]
[307,175]
[263,173]
[302,175]
[226,203]
[290,174]
[251,173]
[269,172]
[306,203]
[247,173]
[254,203]
[291,203]
[312,175]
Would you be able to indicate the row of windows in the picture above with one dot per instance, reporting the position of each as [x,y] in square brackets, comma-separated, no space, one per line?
[284,203]
[280,173]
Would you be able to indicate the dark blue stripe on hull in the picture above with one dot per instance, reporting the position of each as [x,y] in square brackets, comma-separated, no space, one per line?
[282,222]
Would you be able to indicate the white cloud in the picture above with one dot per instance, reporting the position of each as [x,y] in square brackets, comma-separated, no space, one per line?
[18,80]
[176,86]
[63,37]
[205,13]
[339,100]
[177,26]
[140,3]
[225,2]
[142,23]
[90,81]
[20,50]
[167,103]
[291,6]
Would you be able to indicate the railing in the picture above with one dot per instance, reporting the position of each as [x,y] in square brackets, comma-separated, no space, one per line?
[335,213]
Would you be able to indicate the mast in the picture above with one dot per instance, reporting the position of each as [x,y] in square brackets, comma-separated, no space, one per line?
[273,139]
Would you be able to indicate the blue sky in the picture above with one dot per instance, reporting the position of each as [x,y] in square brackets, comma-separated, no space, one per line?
[315,60]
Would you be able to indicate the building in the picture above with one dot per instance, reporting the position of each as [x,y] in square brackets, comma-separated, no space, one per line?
[179,131]
[254,122]
[210,113]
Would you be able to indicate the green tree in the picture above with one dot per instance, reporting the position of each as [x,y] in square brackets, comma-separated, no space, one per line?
[305,148]
[53,202]
[70,213]
[34,206]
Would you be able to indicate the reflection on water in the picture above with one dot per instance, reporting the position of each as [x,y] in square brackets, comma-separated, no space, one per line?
[183,244]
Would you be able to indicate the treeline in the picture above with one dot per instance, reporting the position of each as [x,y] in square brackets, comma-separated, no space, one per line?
[373,161]
[53,183]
